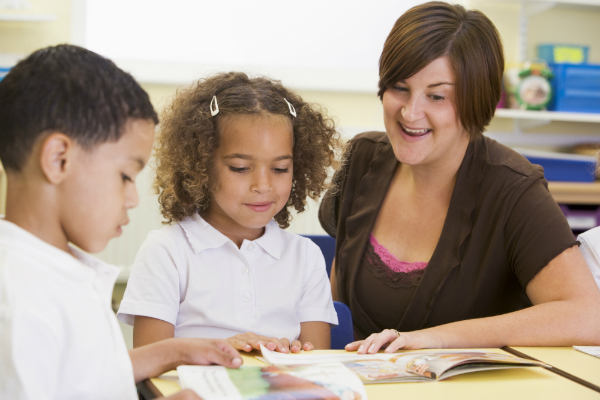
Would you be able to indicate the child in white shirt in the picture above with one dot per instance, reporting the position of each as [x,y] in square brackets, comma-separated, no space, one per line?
[234,157]
[75,131]
[590,249]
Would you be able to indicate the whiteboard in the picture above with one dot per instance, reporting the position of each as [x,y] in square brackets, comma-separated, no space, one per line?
[309,44]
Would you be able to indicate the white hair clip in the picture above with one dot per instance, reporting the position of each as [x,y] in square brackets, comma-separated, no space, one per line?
[292,109]
[214,106]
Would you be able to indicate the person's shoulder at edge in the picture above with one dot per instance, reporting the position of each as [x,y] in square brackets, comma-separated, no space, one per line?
[499,155]
[171,235]
[364,146]
[372,136]
[590,249]
[292,240]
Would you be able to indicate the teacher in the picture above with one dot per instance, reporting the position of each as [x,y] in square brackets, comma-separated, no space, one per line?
[444,237]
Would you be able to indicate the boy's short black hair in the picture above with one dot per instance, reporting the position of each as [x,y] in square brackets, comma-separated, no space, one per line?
[66,89]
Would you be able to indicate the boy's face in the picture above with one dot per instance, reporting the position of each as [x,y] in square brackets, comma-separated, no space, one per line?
[100,187]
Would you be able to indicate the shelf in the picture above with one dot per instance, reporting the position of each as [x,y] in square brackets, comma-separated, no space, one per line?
[553,2]
[578,2]
[575,192]
[27,17]
[9,60]
[547,115]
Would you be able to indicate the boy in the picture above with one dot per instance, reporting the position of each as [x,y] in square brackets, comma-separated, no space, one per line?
[75,131]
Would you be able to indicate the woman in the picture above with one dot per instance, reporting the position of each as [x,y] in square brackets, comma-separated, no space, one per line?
[446,238]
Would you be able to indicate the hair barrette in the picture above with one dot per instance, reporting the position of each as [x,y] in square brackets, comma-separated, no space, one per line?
[292,109]
[214,106]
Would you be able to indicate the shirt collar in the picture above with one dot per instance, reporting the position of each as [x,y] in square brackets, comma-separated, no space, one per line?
[79,266]
[201,236]
[272,240]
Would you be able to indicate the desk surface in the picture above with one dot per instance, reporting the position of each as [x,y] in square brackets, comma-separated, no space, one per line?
[569,360]
[519,383]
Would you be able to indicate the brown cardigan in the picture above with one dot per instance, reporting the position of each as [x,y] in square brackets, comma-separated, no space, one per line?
[502,228]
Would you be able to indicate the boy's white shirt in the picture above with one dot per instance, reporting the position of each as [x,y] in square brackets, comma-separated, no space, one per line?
[59,338]
[590,248]
[194,277]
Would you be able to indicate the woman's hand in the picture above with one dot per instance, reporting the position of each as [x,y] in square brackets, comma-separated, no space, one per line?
[250,341]
[393,340]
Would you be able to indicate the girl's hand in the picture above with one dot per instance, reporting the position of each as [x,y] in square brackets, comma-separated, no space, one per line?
[250,341]
[297,346]
[393,340]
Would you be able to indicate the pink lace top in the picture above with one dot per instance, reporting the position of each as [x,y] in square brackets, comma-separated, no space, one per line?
[391,261]
[382,277]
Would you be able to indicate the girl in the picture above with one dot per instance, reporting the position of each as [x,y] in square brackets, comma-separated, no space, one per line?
[234,157]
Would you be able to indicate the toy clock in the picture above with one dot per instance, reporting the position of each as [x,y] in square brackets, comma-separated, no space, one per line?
[534,91]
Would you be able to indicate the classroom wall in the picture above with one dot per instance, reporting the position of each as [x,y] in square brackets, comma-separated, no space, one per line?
[26,37]
[354,112]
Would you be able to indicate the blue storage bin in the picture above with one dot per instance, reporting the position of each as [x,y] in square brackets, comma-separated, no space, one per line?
[563,53]
[563,167]
[3,72]
[576,88]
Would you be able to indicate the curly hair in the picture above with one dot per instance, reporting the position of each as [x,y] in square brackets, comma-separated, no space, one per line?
[189,137]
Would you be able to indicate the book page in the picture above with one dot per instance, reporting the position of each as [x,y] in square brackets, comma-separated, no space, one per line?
[329,381]
[275,358]
[591,350]
[209,382]
[416,366]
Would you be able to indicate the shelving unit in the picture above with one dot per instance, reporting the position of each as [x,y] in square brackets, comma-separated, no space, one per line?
[575,192]
[547,116]
[523,120]
[27,17]
[7,60]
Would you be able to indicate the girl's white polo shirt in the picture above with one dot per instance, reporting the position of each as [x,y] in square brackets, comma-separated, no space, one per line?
[59,338]
[194,277]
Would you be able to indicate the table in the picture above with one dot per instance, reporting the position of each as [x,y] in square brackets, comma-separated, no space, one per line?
[520,383]
[569,360]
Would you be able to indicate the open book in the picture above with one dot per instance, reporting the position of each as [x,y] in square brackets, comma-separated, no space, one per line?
[591,350]
[421,366]
[327,381]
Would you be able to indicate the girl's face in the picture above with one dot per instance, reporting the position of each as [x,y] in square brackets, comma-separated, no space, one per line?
[253,166]
[421,119]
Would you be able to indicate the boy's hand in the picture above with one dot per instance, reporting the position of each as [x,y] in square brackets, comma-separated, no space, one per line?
[208,351]
[297,346]
[250,341]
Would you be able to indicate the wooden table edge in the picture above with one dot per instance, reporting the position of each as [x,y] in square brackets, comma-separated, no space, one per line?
[553,369]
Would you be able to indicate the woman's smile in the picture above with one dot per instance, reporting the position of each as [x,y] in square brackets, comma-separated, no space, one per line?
[414,134]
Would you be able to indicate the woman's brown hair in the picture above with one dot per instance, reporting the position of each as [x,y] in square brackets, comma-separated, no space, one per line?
[189,136]
[470,41]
